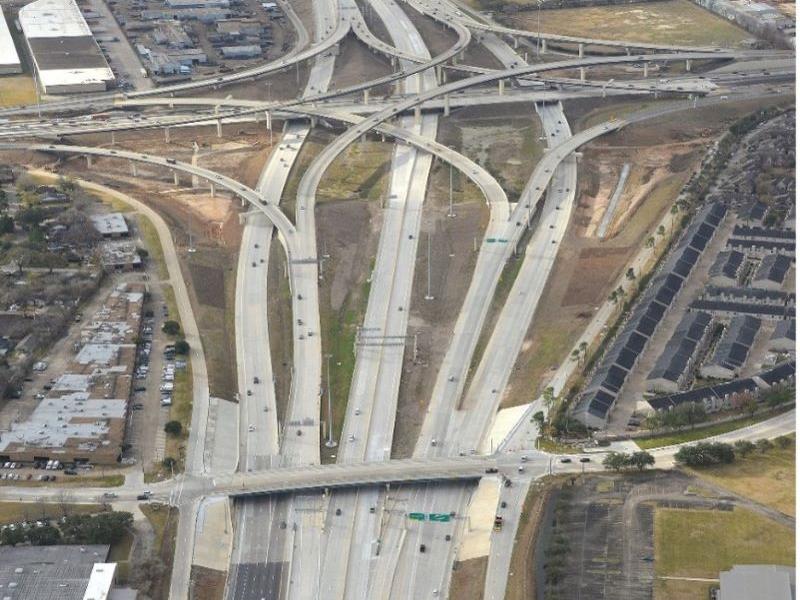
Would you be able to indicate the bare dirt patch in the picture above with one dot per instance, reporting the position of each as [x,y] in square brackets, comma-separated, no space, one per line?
[469,577]
[207,584]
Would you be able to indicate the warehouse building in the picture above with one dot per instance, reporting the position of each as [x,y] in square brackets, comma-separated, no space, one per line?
[9,58]
[59,572]
[66,56]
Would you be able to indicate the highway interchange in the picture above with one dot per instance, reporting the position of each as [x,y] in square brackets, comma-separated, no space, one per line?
[303,530]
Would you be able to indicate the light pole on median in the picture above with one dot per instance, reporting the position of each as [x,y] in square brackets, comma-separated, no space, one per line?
[330,442]
[450,212]
[538,28]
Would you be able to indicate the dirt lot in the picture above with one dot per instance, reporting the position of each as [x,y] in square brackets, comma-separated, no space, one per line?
[670,22]
[207,584]
[468,579]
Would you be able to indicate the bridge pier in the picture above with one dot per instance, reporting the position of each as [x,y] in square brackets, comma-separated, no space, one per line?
[447,105]
[176,178]
[269,125]
[627,51]
[366,97]
[219,128]
[88,161]
[166,134]
[113,138]
[134,169]
[583,73]
[313,121]
[581,49]
[501,87]
[688,65]
[543,49]
[417,114]
[516,42]
[398,86]
[213,190]
[645,70]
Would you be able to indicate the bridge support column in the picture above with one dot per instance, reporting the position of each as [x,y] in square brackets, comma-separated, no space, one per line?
[417,114]
[269,125]
[447,105]
[501,87]
[688,64]
[213,190]
[175,178]
[516,43]
[583,73]
[398,86]
[394,62]
[313,121]
[366,97]
[216,109]
[166,134]
[628,51]
[219,128]
[544,46]
[646,69]
[581,49]
[113,138]
[88,161]
[134,170]
[438,71]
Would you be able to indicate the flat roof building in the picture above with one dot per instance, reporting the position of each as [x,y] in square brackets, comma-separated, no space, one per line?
[765,582]
[58,572]
[9,58]
[64,52]
[110,224]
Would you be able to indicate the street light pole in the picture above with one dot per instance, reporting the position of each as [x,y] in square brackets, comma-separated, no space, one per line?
[429,296]
[538,28]
[330,443]
[450,212]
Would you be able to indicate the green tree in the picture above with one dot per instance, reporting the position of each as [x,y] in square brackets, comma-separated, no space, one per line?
[6,224]
[171,327]
[784,441]
[44,536]
[181,347]
[616,461]
[641,460]
[169,462]
[763,445]
[743,447]
[173,428]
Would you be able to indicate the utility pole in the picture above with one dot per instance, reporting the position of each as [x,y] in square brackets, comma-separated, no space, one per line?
[428,296]
[330,442]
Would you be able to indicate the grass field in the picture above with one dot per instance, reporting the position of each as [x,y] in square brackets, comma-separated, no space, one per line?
[671,22]
[767,478]
[14,512]
[114,480]
[701,543]
[698,433]
[16,90]
[362,171]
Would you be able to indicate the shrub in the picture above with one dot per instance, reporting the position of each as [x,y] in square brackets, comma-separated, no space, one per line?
[171,327]
[173,428]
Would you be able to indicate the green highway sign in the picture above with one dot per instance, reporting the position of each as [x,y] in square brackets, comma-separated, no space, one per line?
[440,517]
[416,516]
[491,240]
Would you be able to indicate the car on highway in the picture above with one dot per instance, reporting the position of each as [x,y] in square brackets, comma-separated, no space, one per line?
[566,460]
